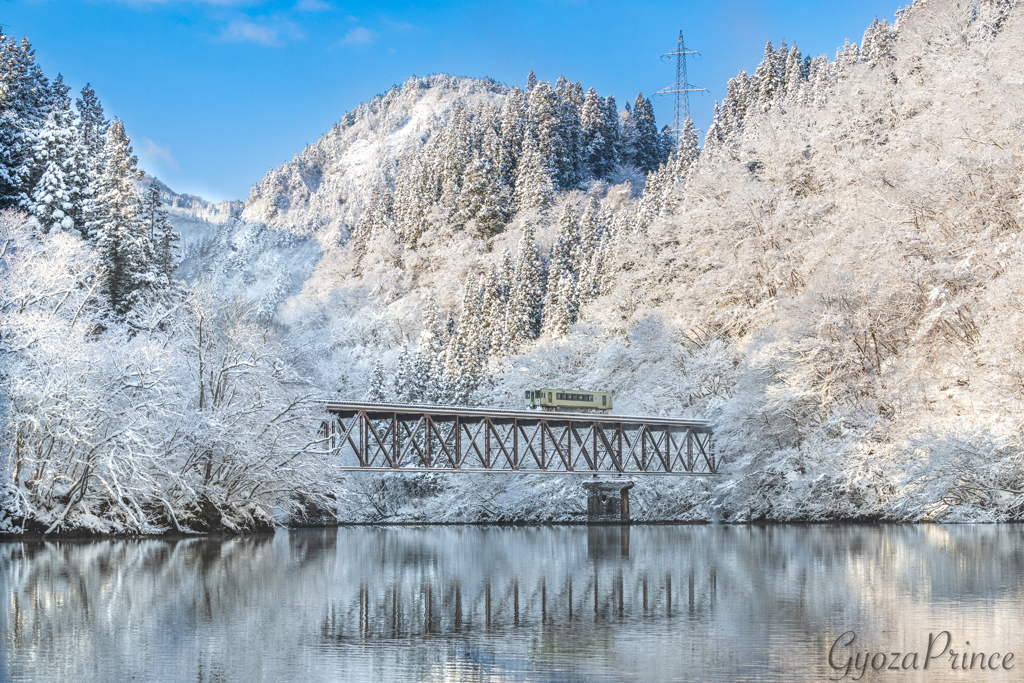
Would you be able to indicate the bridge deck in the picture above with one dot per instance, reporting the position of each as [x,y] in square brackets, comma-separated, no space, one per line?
[380,437]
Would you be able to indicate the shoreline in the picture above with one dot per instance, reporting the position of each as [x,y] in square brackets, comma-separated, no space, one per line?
[224,535]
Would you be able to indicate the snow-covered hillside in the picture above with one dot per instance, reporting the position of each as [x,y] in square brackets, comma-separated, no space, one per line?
[833,282]
[323,189]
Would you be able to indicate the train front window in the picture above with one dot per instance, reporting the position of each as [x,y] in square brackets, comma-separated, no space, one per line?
[529,394]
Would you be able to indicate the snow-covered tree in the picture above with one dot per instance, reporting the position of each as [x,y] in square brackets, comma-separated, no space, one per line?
[24,102]
[795,77]
[625,148]
[562,302]
[598,141]
[534,187]
[126,253]
[769,80]
[92,130]
[545,131]
[877,44]
[647,150]
[376,387]
[161,236]
[467,349]
[58,192]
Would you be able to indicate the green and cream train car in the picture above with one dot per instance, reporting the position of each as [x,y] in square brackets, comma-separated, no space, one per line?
[575,399]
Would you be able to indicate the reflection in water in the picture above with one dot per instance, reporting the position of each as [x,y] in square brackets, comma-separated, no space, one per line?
[500,604]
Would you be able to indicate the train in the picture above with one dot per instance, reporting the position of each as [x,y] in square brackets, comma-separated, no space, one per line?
[576,399]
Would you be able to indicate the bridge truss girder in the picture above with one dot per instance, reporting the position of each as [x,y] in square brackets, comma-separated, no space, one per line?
[413,438]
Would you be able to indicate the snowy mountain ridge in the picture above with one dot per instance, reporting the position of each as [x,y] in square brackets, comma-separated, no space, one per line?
[323,189]
[191,207]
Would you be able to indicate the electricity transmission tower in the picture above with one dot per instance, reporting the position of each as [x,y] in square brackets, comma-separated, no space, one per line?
[681,89]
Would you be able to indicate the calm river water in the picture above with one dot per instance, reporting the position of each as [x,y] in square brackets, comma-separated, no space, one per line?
[647,603]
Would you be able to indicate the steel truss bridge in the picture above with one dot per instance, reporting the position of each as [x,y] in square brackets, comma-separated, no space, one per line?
[425,438]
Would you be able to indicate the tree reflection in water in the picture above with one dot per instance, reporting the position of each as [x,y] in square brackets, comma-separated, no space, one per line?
[473,603]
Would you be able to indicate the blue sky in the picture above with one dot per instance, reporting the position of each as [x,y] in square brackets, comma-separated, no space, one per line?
[216,92]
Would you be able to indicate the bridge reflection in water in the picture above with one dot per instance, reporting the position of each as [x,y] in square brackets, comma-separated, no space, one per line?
[410,600]
[471,604]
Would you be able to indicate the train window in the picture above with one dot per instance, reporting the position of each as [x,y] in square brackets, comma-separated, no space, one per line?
[549,395]
[529,394]
[604,400]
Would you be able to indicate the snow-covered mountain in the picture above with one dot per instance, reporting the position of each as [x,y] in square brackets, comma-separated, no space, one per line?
[834,281]
[323,190]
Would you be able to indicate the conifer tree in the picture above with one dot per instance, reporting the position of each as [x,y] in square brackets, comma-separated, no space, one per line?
[466,351]
[598,146]
[717,132]
[647,154]
[593,278]
[456,151]
[92,126]
[795,77]
[652,200]
[92,138]
[689,149]
[513,129]
[587,254]
[24,101]
[415,192]
[358,242]
[846,57]
[432,349]
[570,162]
[780,68]
[161,236]
[877,44]
[534,188]
[668,141]
[405,384]
[768,81]
[498,300]
[125,253]
[485,199]
[58,155]
[545,130]
[561,305]
[524,313]
[376,386]
[819,81]
[422,384]
[626,149]
[494,301]
[739,102]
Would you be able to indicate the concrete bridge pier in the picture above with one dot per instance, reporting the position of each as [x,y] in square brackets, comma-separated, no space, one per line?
[607,501]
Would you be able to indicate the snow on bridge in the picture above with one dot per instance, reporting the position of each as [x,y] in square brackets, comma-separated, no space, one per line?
[381,437]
